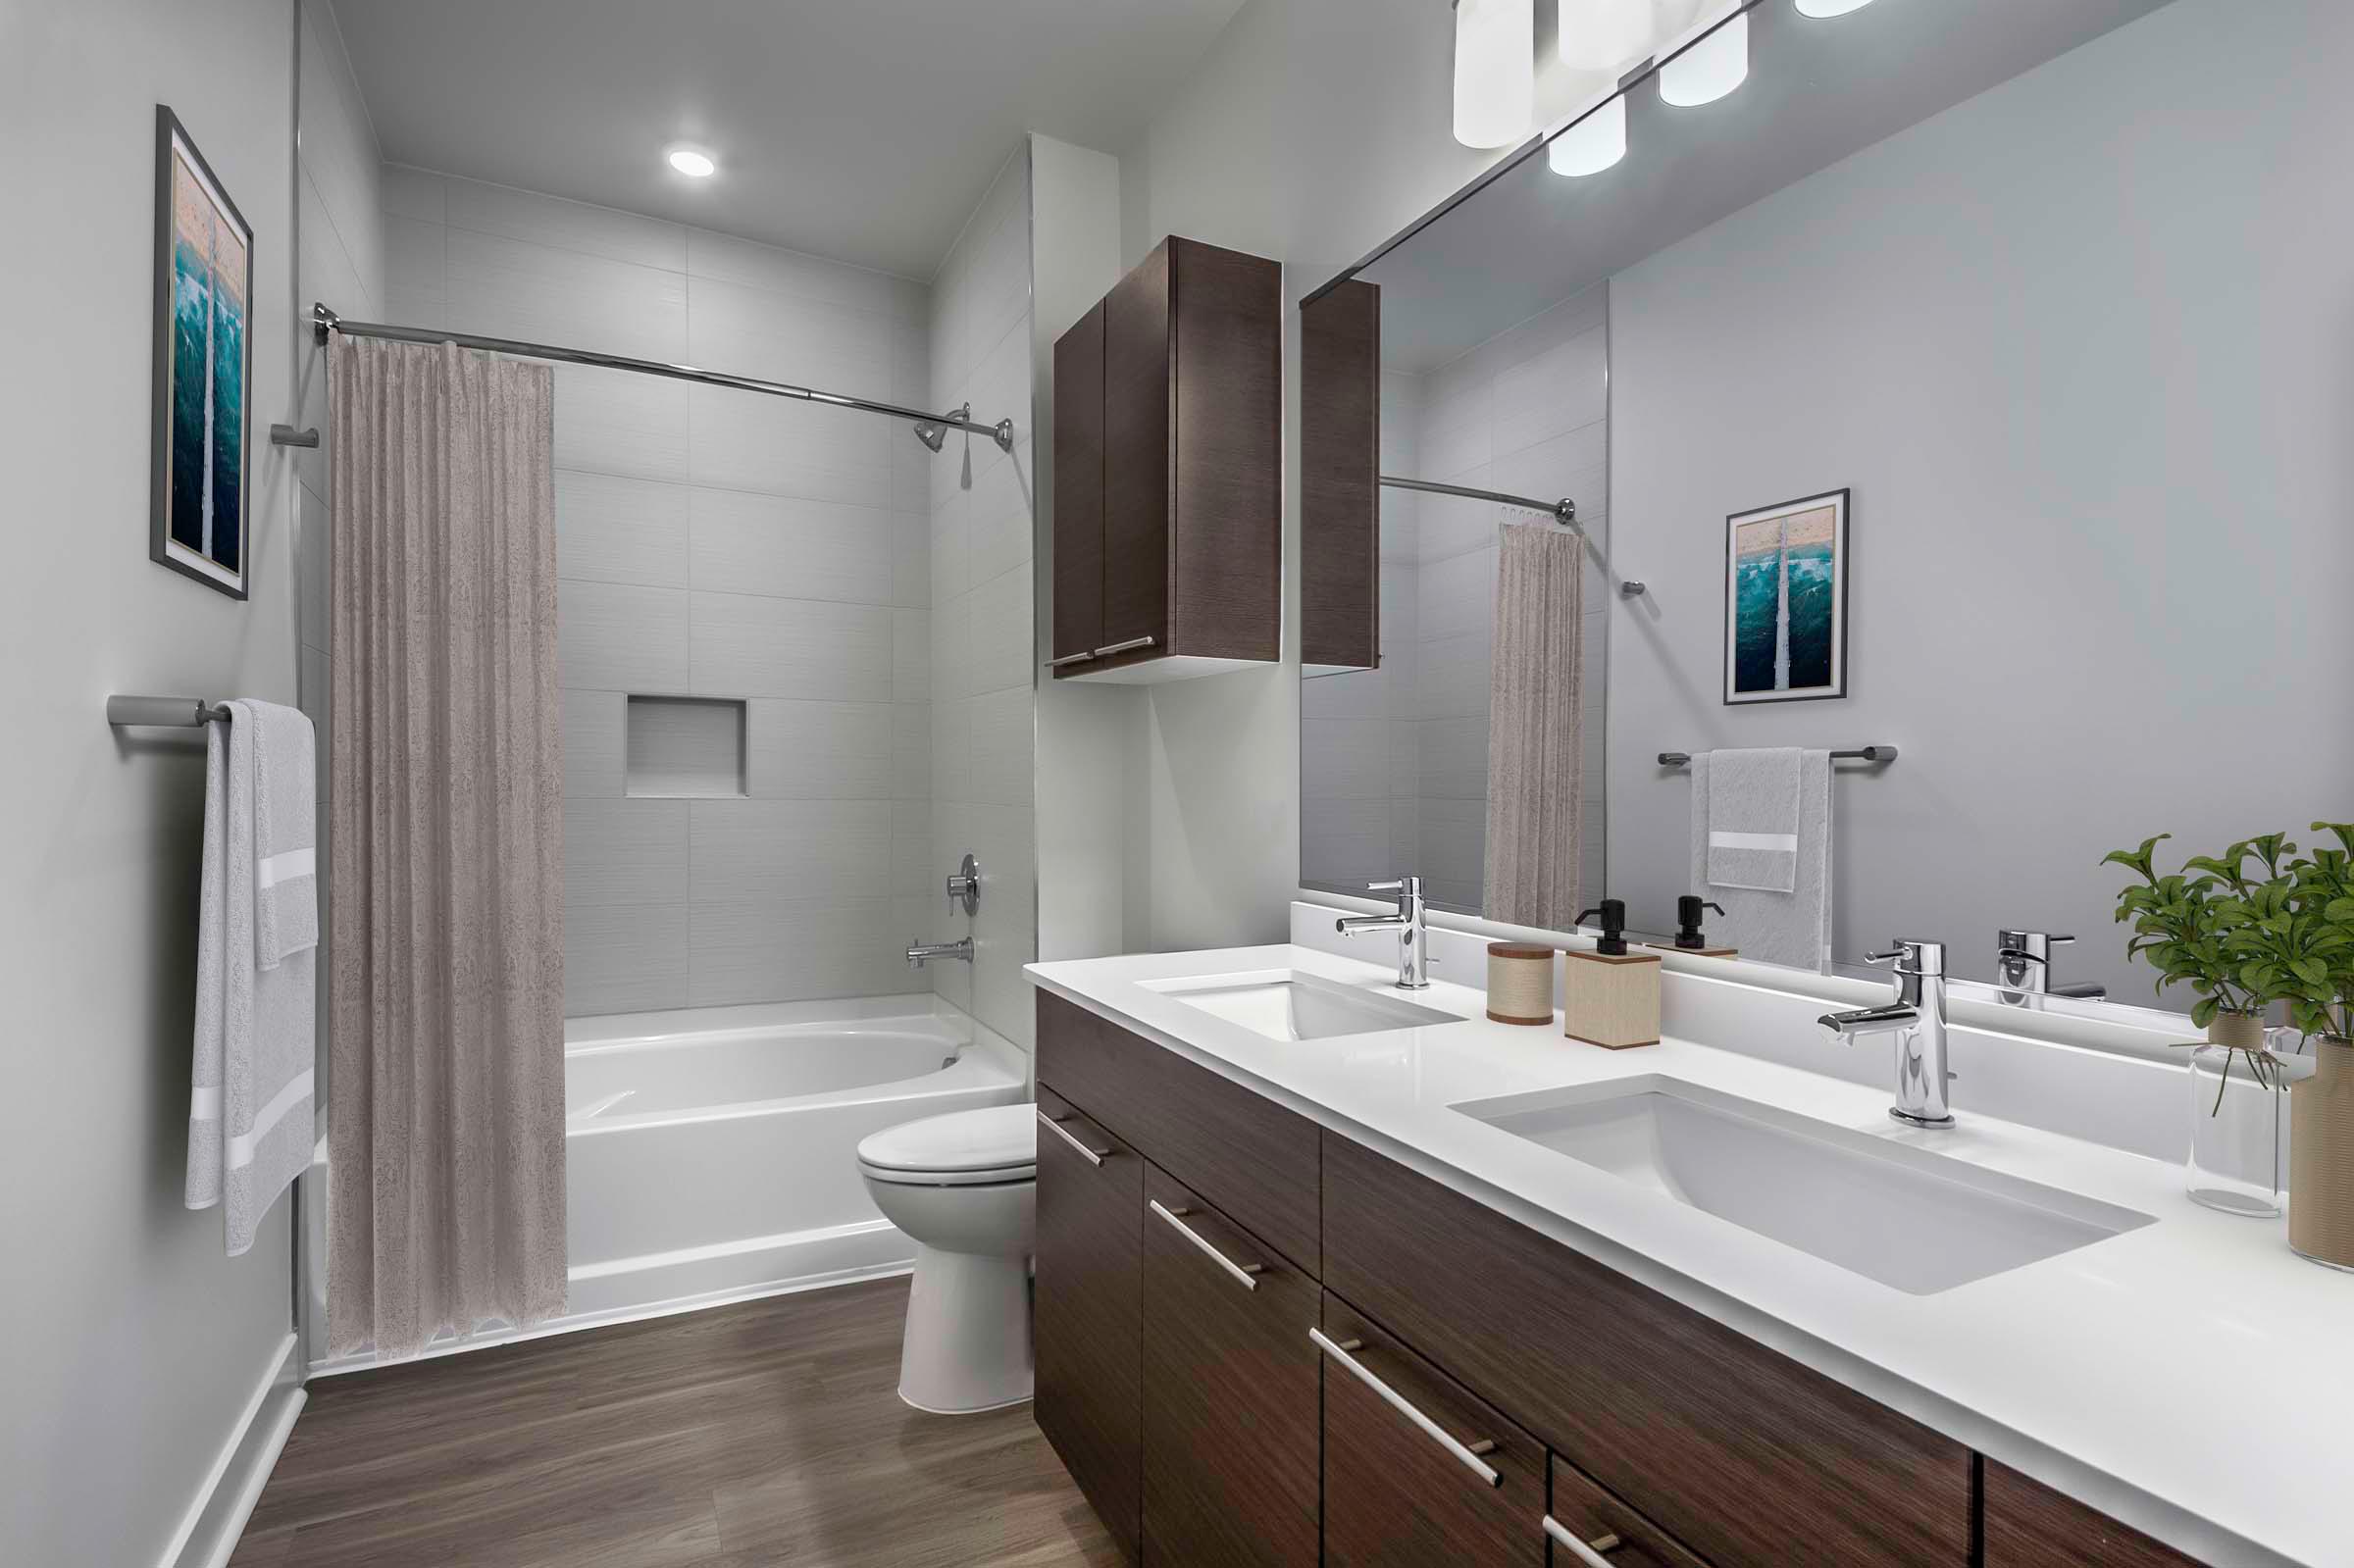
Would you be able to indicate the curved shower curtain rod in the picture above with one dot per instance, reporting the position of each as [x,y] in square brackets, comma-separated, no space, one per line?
[930,428]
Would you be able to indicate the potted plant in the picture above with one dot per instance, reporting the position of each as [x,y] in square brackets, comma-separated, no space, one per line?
[2317,980]
[2183,925]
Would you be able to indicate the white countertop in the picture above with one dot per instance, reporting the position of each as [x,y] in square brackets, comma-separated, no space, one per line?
[2193,1378]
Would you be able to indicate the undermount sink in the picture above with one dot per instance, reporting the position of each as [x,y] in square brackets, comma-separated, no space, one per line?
[1283,1004]
[1911,1219]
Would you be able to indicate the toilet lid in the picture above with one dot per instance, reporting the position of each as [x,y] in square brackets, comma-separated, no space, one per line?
[999,1139]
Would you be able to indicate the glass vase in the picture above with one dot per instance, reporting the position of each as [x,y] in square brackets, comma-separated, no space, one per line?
[2238,1107]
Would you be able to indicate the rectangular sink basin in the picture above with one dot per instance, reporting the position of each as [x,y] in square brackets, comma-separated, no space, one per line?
[1283,1004]
[1916,1221]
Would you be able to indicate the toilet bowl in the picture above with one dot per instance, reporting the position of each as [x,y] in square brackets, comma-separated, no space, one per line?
[964,1188]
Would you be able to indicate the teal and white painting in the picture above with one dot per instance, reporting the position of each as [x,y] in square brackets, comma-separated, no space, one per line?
[204,283]
[1785,601]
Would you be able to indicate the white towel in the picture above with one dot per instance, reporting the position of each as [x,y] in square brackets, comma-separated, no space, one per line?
[1753,818]
[1794,928]
[249,1104]
[285,816]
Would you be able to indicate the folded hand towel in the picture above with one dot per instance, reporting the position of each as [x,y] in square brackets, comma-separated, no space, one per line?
[249,1105]
[1753,818]
[286,807]
[1791,928]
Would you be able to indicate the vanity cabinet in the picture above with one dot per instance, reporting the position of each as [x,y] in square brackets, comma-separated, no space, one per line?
[2029,1525]
[1167,536]
[1230,1385]
[1087,1311]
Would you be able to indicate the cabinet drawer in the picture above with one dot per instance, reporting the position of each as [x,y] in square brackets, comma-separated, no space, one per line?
[2029,1525]
[1396,1495]
[1745,1455]
[1088,1295]
[1240,1151]
[1230,1392]
[1607,1526]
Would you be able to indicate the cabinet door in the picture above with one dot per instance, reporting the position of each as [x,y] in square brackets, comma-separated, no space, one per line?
[1090,1275]
[1079,492]
[2029,1525]
[1416,1471]
[1136,458]
[1339,478]
[1230,1392]
[1586,1514]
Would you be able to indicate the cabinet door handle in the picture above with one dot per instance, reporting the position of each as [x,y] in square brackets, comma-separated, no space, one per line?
[1068,658]
[1092,1156]
[1467,1454]
[1123,647]
[1589,1553]
[1245,1274]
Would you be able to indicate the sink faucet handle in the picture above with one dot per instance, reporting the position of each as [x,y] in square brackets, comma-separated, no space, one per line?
[1912,955]
[1394,885]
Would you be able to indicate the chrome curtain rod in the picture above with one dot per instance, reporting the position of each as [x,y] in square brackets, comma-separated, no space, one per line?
[172,713]
[931,429]
[1871,754]
[1563,511]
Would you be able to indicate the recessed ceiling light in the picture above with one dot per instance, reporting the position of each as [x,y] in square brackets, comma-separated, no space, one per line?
[693,165]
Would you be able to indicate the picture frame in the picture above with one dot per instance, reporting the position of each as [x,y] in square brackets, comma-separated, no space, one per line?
[1786,575]
[200,506]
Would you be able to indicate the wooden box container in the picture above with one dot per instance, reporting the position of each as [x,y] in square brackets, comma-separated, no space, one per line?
[1611,999]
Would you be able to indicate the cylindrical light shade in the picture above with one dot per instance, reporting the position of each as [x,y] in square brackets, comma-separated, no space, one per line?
[1711,68]
[1495,70]
[1593,143]
[1604,34]
[1829,8]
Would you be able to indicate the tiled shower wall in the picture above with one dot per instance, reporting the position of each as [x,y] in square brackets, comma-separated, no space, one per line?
[721,544]
[1395,760]
[983,723]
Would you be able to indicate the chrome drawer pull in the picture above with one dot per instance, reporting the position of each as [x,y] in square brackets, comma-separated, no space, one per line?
[1068,658]
[1588,1552]
[1467,1454]
[1123,647]
[1092,1156]
[1244,1273]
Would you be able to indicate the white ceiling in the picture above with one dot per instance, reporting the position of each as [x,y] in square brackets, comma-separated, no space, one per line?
[861,129]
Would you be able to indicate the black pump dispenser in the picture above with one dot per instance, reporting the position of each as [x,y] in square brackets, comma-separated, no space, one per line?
[1614,927]
[1687,920]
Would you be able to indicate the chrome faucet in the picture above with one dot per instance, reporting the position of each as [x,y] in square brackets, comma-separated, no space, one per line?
[1916,1018]
[921,953]
[1413,938]
[2024,961]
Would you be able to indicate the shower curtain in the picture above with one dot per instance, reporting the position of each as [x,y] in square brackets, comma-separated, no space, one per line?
[1535,787]
[445,1080]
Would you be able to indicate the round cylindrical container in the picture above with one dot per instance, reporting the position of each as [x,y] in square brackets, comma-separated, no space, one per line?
[1520,983]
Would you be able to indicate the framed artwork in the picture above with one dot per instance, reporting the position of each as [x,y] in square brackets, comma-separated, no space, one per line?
[1785,601]
[203,299]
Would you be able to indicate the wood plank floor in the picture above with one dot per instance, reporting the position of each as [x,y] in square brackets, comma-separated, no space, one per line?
[769,1433]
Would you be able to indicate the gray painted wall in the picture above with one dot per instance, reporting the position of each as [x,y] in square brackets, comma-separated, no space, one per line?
[2080,346]
[130,1343]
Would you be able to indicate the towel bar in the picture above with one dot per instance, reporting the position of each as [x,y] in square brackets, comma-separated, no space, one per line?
[178,713]
[1871,754]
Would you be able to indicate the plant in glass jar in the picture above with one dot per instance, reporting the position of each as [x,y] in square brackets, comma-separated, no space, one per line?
[2183,922]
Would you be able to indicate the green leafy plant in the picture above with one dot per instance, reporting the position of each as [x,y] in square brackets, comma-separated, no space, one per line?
[2301,948]
[2183,922]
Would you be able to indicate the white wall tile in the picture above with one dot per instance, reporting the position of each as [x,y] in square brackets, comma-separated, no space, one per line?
[1005,929]
[953,647]
[793,850]
[592,744]
[312,561]
[618,637]
[749,647]
[1343,759]
[915,872]
[952,748]
[911,751]
[910,655]
[998,766]
[623,853]
[821,750]
[792,547]
[1453,758]
[910,560]
[416,269]
[1003,639]
[612,529]
[791,950]
[618,422]
[574,226]
[624,958]
[747,441]
[727,258]
[1457,594]
[790,338]
[997,514]
[516,289]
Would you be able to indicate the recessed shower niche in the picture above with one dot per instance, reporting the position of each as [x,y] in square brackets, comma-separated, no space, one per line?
[684,748]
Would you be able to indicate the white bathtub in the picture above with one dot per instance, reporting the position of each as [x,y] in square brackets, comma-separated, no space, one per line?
[711,1152]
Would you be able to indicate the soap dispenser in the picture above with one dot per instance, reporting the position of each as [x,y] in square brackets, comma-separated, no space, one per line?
[1689,937]
[1610,996]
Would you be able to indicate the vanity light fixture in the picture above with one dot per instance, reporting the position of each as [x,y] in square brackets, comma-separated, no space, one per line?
[1709,69]
[693,164]
[1604,34]
[1593,143]
[1829,8]
[1495,70]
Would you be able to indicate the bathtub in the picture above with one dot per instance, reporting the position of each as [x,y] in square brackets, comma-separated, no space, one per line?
[710,1153]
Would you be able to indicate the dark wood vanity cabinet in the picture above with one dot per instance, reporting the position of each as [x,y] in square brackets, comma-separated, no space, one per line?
[1167,536]
[2029,1525]
[1087,1311]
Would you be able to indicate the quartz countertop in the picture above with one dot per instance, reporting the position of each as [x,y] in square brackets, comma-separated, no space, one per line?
[2193,1377]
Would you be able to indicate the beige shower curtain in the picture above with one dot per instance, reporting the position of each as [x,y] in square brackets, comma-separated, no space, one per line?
[445,1086]
[1535,790]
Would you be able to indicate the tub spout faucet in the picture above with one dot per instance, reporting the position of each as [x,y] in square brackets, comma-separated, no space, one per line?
[1413,938]
[921,953]
[1917,1019]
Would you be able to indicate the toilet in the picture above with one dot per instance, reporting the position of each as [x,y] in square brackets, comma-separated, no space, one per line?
[964,1188]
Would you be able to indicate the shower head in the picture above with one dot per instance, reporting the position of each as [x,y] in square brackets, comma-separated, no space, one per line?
[931,435]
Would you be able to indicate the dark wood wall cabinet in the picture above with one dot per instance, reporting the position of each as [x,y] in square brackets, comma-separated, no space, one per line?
[1168,471]
[1261,1342]
[1340,478]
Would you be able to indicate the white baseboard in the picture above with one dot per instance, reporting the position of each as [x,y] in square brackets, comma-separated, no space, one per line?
[216,1517]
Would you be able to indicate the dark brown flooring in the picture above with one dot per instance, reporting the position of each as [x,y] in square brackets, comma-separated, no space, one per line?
[769,1433]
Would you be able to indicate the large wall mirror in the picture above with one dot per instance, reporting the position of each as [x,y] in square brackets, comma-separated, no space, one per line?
[1976,383]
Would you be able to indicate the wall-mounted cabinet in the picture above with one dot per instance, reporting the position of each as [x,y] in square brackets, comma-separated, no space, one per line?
[1169,437]
[1340,478]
